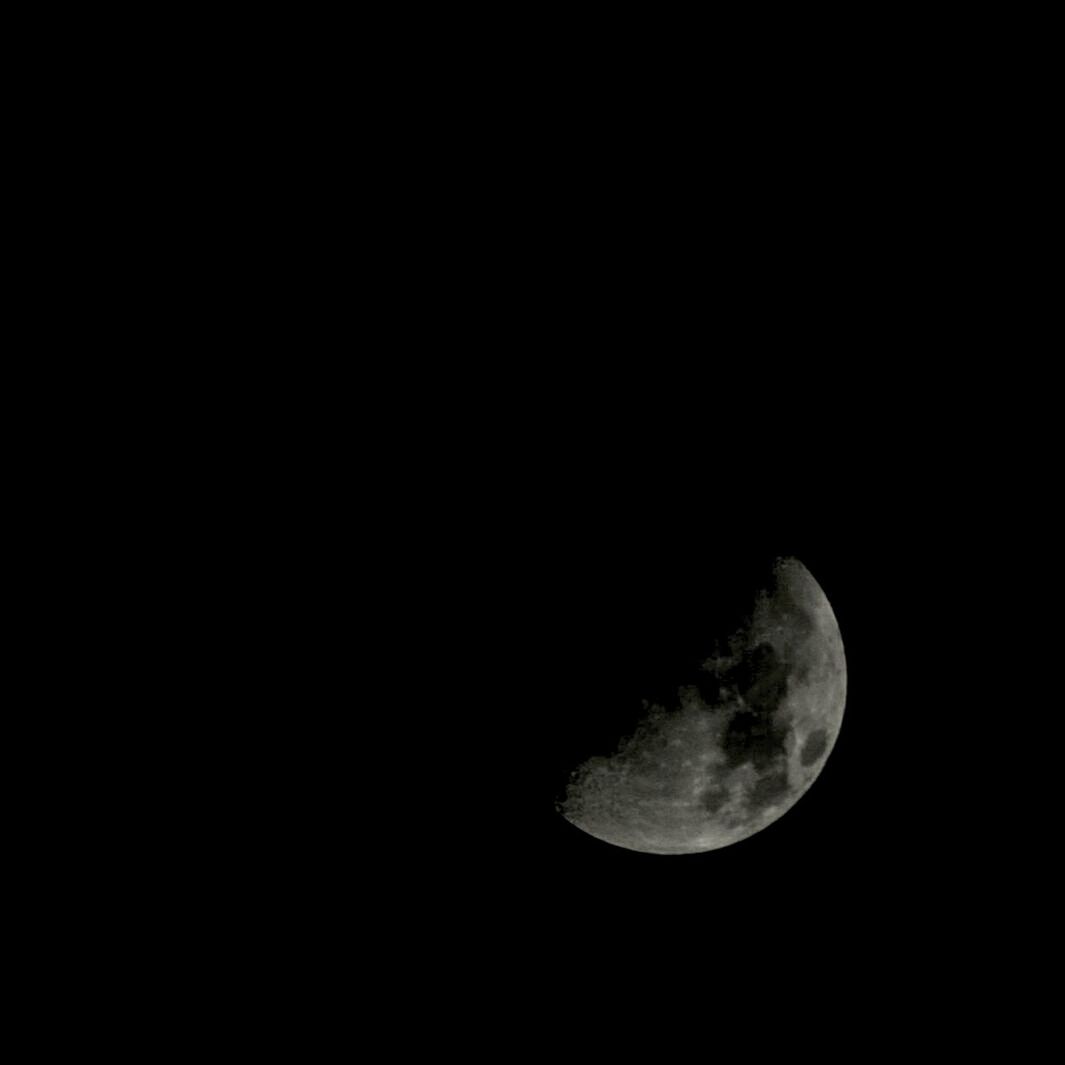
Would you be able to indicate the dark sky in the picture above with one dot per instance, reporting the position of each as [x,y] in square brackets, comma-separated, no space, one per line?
[520,439]
[552,533]
[566,498]
[608,539]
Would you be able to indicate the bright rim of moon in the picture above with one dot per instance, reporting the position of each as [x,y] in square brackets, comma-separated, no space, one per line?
[700,775]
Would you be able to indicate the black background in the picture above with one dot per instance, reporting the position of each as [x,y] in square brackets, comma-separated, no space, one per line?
[602,370]
[490,395]
[605,523]
[516,515]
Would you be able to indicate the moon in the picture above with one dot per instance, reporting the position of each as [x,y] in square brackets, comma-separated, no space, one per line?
[739,746]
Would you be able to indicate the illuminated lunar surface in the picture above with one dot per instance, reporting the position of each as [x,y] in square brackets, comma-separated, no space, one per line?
[709,771]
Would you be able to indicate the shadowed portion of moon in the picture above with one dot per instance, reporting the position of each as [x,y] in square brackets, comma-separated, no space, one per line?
[737,745]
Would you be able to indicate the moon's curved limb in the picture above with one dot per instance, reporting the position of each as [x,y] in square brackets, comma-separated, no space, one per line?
[736,752]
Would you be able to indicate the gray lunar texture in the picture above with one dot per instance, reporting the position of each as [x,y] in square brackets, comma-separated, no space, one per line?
[699,775]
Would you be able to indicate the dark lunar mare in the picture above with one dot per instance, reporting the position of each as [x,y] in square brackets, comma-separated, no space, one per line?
[757,734]
[769,789]
[815,746]
[714,798]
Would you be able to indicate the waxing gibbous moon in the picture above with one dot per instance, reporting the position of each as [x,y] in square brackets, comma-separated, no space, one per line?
[739,746]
